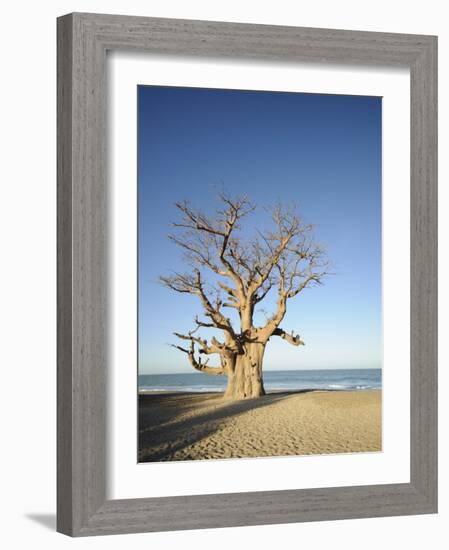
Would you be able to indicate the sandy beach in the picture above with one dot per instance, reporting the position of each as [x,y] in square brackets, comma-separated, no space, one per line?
[187,426]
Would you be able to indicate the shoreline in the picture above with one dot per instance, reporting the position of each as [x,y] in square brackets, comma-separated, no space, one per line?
[269,392]
[202,425]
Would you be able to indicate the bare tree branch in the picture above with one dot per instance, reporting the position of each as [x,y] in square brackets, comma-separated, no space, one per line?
[204,347]
[198,364]
[290,338]
[193,284]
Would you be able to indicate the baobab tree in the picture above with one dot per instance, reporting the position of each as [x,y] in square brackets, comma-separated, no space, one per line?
[229,271]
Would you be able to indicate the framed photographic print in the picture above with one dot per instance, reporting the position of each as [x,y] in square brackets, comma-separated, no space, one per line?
[246,274]
[249,264]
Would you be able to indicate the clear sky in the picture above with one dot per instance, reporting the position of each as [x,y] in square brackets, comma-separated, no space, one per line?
[321,152]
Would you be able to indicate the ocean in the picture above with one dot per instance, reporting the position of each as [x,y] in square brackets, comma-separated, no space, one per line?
[282,380]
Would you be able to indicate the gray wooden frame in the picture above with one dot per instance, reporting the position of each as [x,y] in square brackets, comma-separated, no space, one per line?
[83,40]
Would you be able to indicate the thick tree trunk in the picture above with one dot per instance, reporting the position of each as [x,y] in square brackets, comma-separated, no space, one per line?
[245,379]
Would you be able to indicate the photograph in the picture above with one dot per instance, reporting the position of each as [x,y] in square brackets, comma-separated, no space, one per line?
[259,273]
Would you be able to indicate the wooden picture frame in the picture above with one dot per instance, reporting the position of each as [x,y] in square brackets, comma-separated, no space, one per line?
[83,40]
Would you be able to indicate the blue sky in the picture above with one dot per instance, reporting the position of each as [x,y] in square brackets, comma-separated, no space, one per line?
[320,152]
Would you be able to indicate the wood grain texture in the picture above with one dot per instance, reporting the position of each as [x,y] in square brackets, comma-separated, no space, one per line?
[64,277]
[83,40]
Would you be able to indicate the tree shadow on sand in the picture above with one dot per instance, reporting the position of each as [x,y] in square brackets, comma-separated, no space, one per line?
[171,422]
